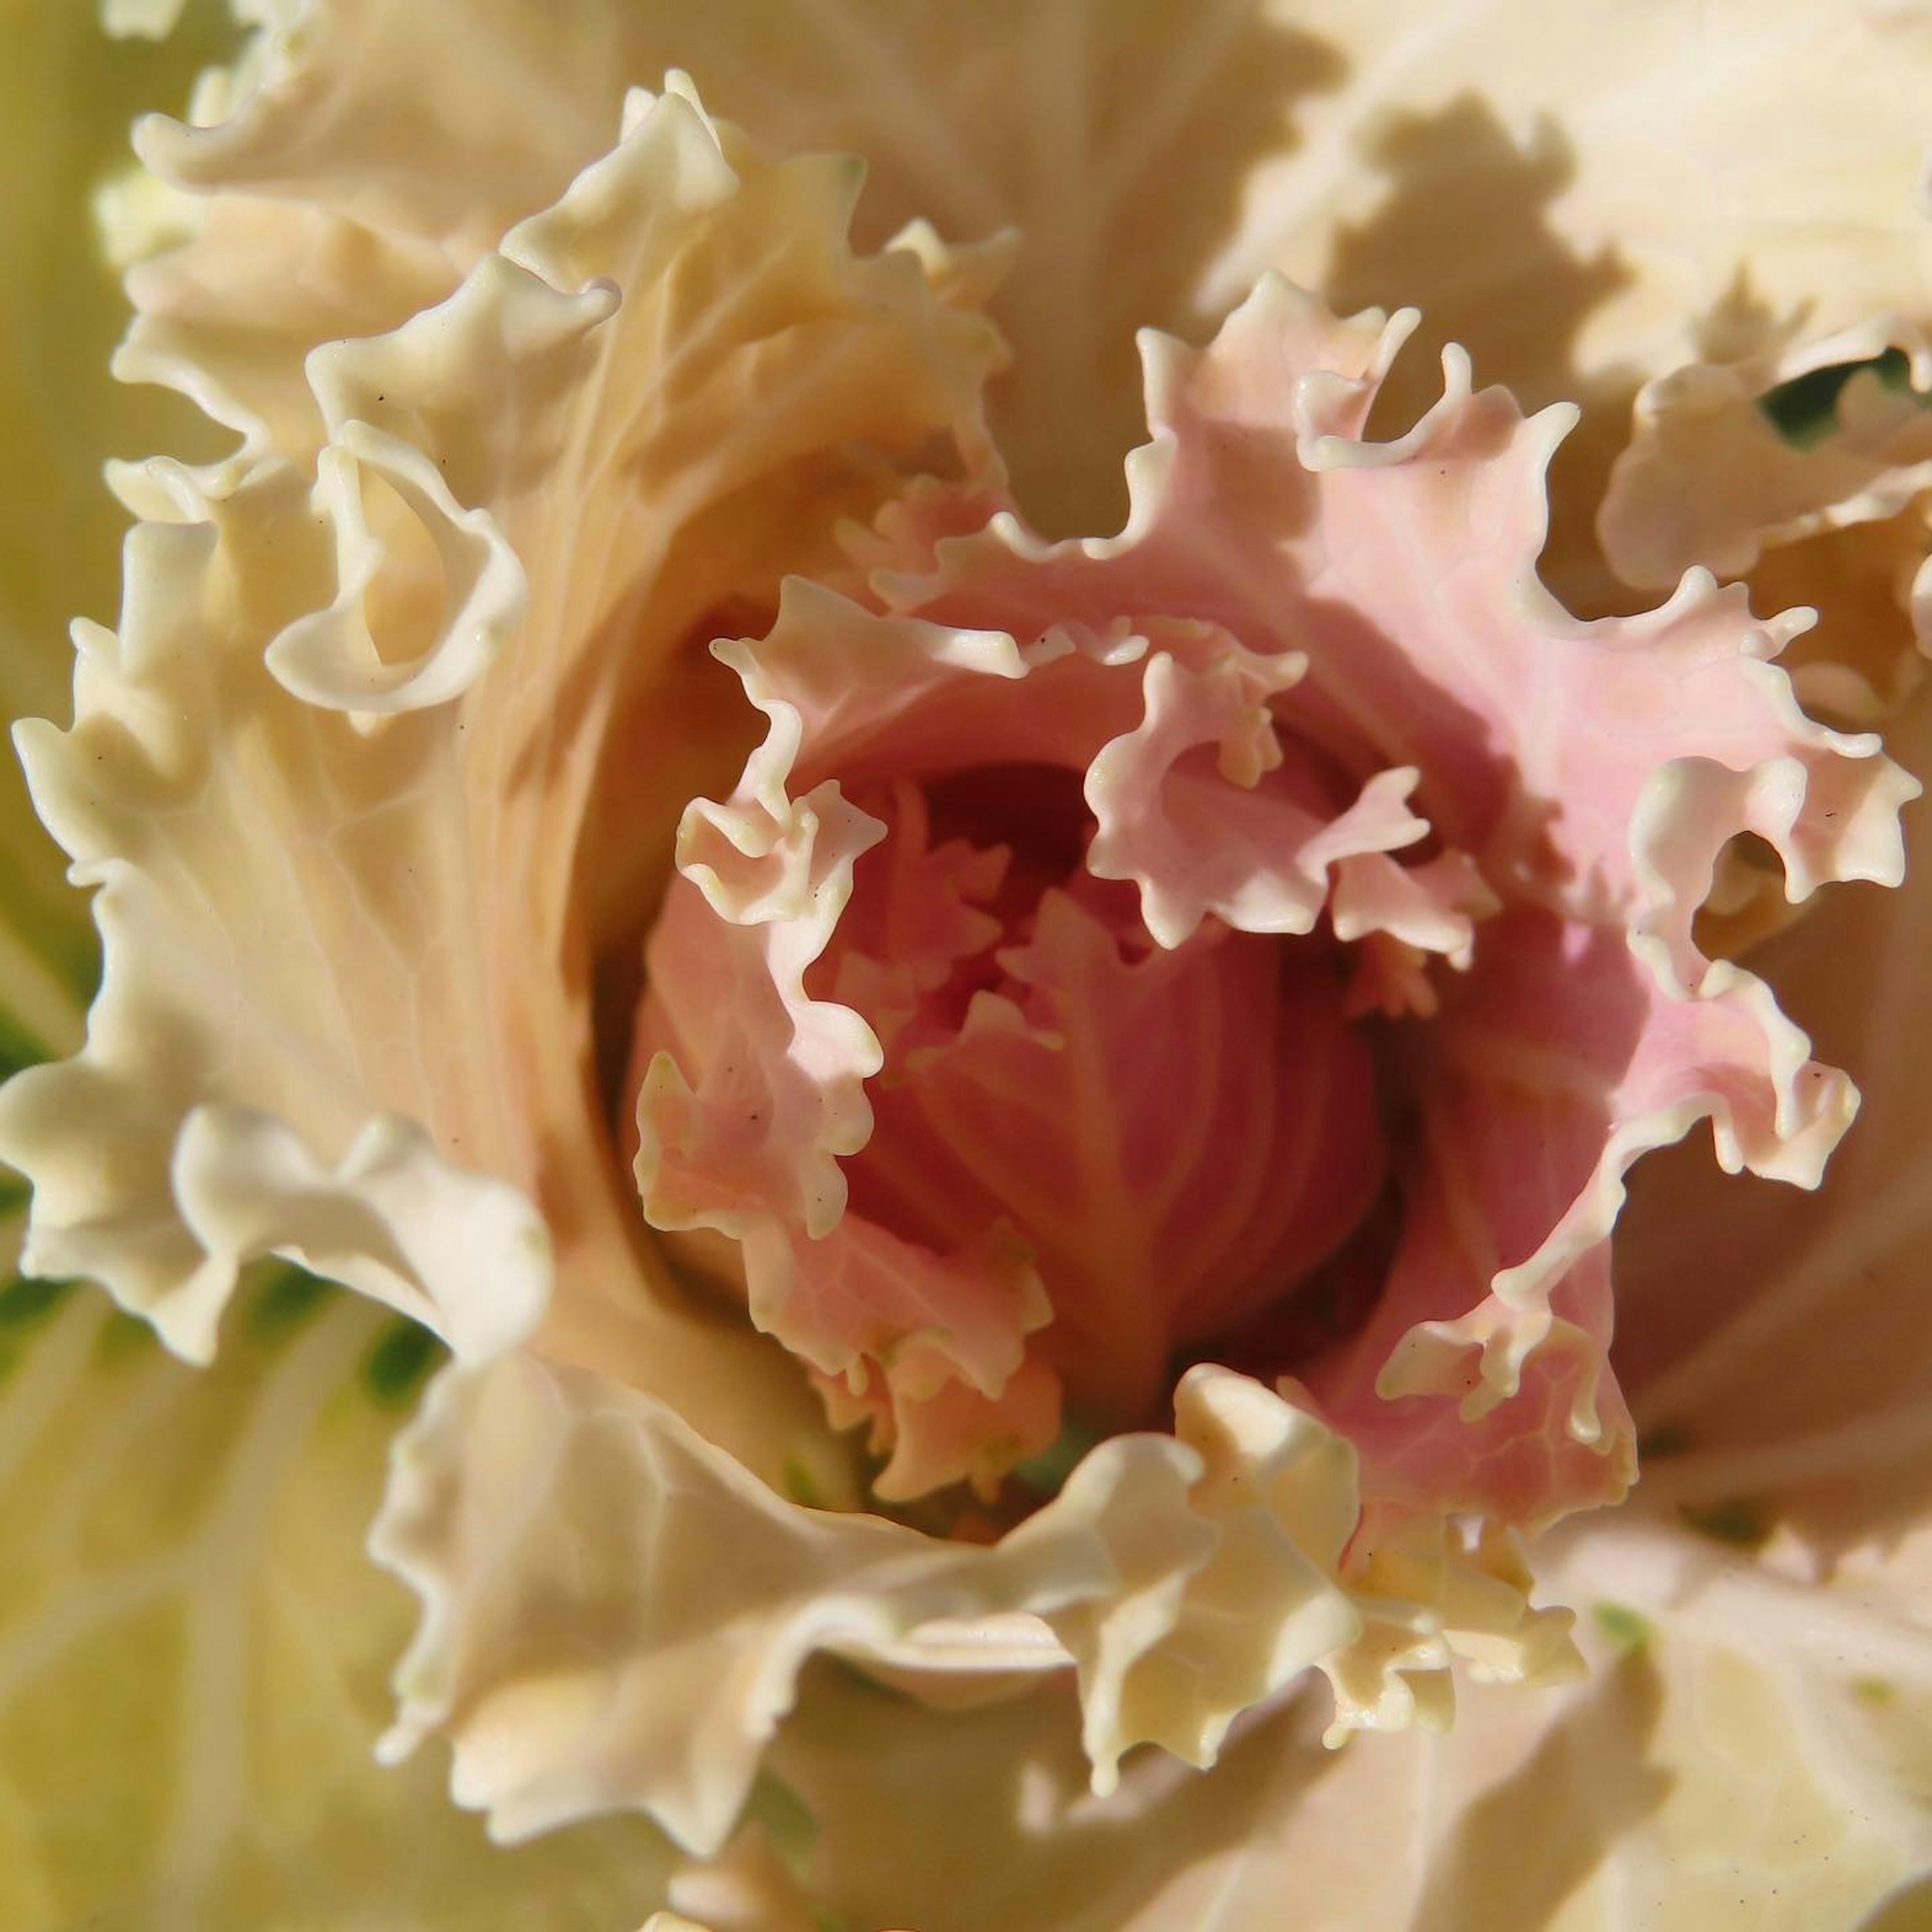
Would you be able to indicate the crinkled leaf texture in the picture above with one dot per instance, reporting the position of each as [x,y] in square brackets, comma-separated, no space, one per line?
[1582,237]
[321,805]
[65,100]
[1742,1755]
[1594,772]
[1602,869]
[1587,201]
[319,801]
[1747,1752]
[497,468]
[1835,509]
[1831,1281]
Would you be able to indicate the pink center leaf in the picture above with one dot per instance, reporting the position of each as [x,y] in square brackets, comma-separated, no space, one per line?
[1261,936]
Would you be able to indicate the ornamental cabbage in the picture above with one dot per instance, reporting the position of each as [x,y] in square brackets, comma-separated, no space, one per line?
[998,1006]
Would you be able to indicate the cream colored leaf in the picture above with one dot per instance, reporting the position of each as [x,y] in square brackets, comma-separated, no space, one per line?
[1834,512]
[1746,1756]
[616,1615]
[1589,198]
[663,392]
[1709,479]
[1584,198]
[317,880]
[749,1887]
[446,123]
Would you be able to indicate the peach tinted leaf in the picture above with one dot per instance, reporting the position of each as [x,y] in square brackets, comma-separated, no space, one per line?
[708,1591]
[749,1887]
[520,323]
[419,634]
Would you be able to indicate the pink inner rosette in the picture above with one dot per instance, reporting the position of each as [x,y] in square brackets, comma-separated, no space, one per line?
[1264,935]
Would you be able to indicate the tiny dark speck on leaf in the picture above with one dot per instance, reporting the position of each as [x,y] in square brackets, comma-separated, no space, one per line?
[402,1358]
[1741,1523]
[26,1299]
[286,1300]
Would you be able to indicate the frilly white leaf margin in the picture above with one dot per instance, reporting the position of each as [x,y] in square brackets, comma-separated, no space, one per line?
[583,1653]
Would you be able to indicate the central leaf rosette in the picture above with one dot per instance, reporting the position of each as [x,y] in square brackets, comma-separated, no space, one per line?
[1261,937]
[1040,1052]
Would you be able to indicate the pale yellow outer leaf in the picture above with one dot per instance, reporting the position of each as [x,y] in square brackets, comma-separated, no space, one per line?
[194,1650]
[66,99]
